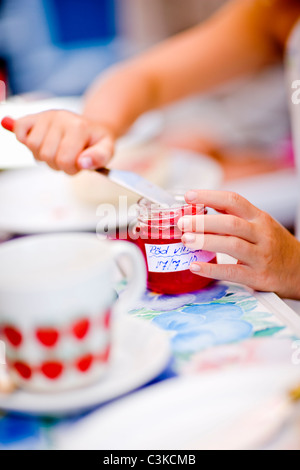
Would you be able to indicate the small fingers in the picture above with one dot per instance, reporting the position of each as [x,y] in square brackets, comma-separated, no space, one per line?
[70,147]
[219,224]
[224,272]
[97,155]
[224,201]
[41,135]
[232,246]
[37,134]
[23,126]
[49,147]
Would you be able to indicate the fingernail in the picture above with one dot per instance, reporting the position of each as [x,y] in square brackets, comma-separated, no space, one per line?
[195,268]
[188,238]
[185,223]
[191,196]
[86,163]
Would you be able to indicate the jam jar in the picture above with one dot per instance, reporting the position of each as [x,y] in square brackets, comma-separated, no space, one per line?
[168,260]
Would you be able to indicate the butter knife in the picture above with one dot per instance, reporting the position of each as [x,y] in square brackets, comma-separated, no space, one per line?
[139,185]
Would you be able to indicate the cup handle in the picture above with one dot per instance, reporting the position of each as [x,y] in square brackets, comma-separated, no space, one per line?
[136,275]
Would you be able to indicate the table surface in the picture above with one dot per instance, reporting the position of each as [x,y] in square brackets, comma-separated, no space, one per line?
[222,326]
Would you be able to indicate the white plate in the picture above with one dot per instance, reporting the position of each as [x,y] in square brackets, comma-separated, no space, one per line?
[183,413]
[40,200]
[15,155]
[140,354]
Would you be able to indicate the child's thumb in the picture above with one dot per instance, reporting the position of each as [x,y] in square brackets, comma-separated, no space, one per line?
[96,156]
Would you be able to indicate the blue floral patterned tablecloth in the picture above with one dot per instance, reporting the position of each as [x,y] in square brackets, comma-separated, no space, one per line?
[224,325]
[223,316]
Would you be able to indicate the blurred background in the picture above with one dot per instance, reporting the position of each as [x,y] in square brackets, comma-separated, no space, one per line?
[58,47]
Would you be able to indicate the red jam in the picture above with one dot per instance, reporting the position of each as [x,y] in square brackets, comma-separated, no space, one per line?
[167,259]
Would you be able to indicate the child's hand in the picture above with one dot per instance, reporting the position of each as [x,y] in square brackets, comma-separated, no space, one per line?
[268,255]
[65,141]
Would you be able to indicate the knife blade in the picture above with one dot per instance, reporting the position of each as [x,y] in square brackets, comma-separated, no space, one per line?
[139,185]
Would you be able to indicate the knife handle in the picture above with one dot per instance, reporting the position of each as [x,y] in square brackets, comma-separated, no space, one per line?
[8,123]
[103,171]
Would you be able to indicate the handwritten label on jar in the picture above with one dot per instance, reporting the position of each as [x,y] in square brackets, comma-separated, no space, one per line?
[174,257]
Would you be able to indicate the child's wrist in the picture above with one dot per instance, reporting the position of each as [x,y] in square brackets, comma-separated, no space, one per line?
[114,130]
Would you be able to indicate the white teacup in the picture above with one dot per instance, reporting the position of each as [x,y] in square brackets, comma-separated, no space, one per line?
[56,303]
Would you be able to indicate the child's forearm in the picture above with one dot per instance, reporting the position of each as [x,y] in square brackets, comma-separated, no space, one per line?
[236,41]
[119,97]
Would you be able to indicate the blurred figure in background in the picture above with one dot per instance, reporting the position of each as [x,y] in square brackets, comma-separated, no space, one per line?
[58,47]
[146,23]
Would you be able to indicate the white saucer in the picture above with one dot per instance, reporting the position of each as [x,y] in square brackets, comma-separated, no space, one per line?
[41,200]
[141,353]
[216,410]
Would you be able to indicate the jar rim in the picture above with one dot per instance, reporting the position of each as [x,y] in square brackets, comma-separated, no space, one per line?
[156,213]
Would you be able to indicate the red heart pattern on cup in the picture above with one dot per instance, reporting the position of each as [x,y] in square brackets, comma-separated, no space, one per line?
[49,336]
[13,335]
[54,369]
[80,328]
